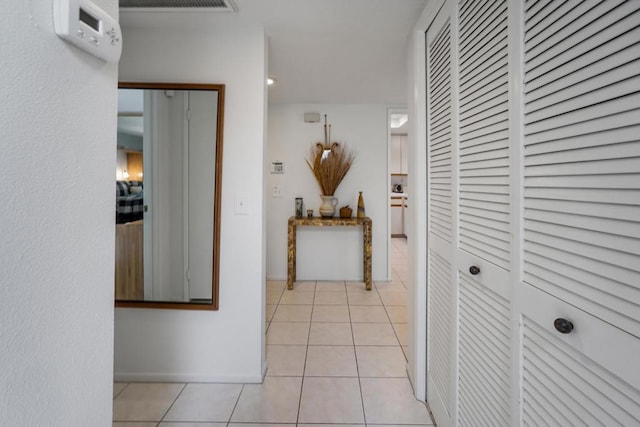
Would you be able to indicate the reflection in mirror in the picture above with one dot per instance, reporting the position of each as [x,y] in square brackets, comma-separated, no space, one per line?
[168,186]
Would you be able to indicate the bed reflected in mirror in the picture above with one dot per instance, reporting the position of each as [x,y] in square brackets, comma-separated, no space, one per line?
[168,186]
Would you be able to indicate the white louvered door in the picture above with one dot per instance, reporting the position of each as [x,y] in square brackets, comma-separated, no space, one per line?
[441,289]
[581,242]
[589,377]
[484,131]
[582,157]
[484,210]
[533,162]
[469,222]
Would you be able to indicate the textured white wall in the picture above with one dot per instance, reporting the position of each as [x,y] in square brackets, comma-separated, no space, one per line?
[328,254]
[224,345]
[57,157]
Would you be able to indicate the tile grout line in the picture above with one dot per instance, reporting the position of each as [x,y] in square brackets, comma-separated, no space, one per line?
[266,330]
[306,354]
[236,404]
[120,392]
[394,331]
[173,403]
[355,354]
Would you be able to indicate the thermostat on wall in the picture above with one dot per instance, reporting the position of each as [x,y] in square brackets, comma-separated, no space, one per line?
[87,26]
[277,167]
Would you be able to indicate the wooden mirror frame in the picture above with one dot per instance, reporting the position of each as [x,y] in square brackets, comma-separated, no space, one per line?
[220,88]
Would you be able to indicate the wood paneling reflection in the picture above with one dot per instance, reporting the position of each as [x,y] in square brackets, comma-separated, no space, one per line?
[129,261]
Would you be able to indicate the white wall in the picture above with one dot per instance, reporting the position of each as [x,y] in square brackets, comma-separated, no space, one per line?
[328,254]
[58,161]
[224,345]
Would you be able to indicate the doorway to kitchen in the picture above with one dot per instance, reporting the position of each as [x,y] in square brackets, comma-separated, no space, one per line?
[398,191]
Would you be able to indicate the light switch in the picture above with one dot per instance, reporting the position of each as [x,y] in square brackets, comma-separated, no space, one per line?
[241,203]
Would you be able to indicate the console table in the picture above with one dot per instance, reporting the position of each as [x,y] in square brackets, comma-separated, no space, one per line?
[365,223]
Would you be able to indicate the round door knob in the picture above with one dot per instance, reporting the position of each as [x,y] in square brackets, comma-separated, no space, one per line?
[563,326]
[474,270]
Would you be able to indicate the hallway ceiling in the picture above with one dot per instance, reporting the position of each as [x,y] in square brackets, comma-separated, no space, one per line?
[320,51]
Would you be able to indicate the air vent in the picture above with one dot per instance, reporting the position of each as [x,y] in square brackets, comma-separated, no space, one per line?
[173,5]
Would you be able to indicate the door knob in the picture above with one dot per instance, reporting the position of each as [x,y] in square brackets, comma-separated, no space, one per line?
[563,326]
[474,270]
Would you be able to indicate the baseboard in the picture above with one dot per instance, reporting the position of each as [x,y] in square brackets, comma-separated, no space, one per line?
[187,378]
[348,279]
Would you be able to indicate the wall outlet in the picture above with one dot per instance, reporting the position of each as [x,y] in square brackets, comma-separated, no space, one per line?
[277,192]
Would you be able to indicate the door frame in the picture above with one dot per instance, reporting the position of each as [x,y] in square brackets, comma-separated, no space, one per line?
[417,211]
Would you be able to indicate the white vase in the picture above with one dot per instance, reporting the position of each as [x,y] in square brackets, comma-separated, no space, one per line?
[328,206]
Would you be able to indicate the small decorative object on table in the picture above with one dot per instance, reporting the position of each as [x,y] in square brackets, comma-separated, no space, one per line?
[299,207]
[360,206]
[329,163]
[309,213]
[345,212]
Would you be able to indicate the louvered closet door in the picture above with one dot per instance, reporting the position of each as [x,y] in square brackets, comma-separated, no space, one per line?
[484,204]
[441,286]
[582,213]
[484,209]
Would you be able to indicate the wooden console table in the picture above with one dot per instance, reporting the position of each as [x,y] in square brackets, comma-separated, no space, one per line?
[330,222]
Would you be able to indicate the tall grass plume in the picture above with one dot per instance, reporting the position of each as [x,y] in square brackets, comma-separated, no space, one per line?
[329,162]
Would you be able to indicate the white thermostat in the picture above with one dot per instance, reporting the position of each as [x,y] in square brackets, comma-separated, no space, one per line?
[87,26]
[277,167]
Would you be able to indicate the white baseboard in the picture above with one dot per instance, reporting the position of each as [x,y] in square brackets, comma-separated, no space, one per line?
[348,279]
[187,378]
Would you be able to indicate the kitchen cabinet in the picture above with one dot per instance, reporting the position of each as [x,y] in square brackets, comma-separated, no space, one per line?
[532,265]
[396,221]
[399,153]
[397,216]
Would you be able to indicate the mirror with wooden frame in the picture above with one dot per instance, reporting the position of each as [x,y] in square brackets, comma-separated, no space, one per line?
[168,189]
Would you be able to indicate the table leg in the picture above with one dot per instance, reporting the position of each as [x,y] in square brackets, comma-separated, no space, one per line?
[291,254]
[366,254]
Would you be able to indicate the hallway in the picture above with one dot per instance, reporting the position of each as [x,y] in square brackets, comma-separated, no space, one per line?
[336,354]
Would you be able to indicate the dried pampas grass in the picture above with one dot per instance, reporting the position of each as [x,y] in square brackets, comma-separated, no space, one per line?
[329,162]
[330,165]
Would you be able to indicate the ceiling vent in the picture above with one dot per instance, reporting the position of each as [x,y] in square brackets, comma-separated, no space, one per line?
[177,5]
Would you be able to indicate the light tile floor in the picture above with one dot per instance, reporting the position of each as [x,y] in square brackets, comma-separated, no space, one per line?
[336,355]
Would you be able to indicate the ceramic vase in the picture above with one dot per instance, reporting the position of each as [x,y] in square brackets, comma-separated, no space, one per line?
[360,206]
[328,206]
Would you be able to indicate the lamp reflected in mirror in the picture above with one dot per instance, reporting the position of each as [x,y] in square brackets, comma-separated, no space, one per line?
[168,187]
